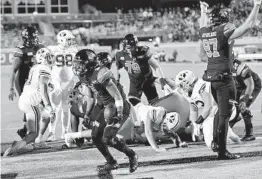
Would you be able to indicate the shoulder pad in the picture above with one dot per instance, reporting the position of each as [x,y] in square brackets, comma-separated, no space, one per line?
[104,75]
[18,52]
[20,46]
[245,71]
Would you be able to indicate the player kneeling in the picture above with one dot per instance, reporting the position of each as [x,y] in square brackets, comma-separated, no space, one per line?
[81,104]
[199,93]
[35,101]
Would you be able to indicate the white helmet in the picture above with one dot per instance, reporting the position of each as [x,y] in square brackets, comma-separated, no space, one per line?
[64,38]
[185,79]
[43,56]
[172,121]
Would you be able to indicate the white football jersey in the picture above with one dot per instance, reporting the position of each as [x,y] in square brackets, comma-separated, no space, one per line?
[32,85]
[200,87]
[62,63]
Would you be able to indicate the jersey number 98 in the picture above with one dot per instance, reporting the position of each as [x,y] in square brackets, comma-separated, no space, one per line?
[64,60]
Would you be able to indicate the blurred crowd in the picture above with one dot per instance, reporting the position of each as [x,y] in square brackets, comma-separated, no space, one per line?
[174,24]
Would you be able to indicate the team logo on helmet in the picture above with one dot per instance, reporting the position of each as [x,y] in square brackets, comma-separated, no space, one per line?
[30,37]
[65,38]
[104,59]
[43,56]
[84,62]
[172,121]
[185,79]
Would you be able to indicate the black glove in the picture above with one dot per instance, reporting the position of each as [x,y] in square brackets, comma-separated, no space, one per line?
[163,82]
[115,119]
[200,119]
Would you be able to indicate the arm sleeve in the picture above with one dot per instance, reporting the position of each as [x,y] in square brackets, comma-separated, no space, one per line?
[104,76]
[119,65]
[148,52]
[246,72]
[18,52]
[229,29]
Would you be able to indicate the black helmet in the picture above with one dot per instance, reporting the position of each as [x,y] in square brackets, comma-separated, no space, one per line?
[129,41]
[219,15]
[104,59]
[30,37]
[84,62]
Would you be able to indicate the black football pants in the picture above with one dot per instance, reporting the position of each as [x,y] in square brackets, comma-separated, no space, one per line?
[222,92]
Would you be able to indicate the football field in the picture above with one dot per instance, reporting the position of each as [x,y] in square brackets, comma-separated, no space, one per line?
[194,162]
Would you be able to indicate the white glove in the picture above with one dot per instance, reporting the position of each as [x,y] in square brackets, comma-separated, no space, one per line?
[257,2]
[203,6]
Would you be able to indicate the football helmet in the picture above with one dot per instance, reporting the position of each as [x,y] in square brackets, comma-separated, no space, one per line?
[104,59]
[219,16]
[129,42]
[43,56]
[30,37]
[65,38]
[172,121]
[84,62]
[185,80]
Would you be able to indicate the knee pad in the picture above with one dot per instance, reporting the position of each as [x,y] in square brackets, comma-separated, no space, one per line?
[134,101]
[110,111]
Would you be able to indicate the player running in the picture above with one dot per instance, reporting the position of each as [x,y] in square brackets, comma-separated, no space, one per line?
[62,80]
[199,93]
[248,85]
[217,35]
[23,60]
[116,108]
[35,102]
[137,61]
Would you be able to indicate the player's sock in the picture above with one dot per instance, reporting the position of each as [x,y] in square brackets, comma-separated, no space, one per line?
[121,146]
[65,123]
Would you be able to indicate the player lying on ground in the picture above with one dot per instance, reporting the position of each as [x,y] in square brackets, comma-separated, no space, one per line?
[168,116]
[35,102]
[200,95]
[62,80]
[116,109]
[22,62]
[248,85]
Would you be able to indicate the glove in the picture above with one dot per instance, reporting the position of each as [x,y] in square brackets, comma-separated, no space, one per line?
[86,121]
[203,6]
[163,82]
[257,2]
[200,119]
[115,120]
[242,106]
[244,98]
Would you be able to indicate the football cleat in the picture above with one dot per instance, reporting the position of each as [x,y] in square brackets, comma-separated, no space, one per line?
[248,138]
[133,163]
[227,156]
[12,149]
[50,137]
[109,166]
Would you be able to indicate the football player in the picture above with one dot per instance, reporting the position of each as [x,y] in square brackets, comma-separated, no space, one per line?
[23,60]
[248,85]
[62,80]
[137,61]
[81,103]
[169,116]
[217,35]
[199,93]
[116,108]
[35,102]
